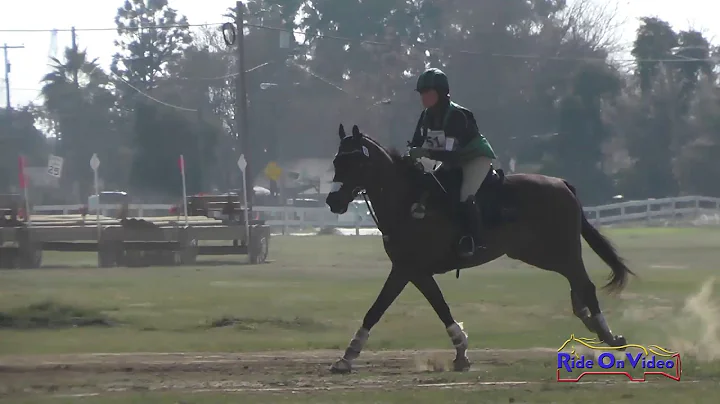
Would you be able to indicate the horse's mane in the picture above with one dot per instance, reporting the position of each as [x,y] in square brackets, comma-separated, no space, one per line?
[394,154]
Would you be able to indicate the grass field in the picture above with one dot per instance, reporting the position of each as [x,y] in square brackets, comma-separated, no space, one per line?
[302,308]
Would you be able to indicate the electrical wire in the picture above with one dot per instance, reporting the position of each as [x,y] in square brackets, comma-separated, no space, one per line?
[150,97]
[379,43]
[336,38]
[169,26]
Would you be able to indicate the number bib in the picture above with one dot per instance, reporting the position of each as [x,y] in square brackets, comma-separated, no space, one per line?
[435,140]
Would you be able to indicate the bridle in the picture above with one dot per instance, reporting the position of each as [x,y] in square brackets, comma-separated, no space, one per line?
[362,191]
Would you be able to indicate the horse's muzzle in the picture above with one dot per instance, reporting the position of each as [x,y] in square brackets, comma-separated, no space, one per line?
[337,203]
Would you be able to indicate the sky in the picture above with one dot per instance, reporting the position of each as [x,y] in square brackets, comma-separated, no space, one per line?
[31,63]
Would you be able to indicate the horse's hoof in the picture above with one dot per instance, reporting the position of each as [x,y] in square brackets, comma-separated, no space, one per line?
[618,341]
[461,364]
[341,367]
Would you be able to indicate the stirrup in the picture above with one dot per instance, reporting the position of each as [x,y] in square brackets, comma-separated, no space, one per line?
[464,253]
[417,210]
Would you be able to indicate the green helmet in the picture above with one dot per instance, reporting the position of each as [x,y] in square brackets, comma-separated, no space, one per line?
[433,79]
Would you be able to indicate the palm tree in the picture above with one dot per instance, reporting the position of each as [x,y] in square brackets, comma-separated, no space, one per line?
[77,78]
[79,103]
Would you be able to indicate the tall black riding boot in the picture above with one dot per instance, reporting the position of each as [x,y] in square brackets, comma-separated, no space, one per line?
[472,223]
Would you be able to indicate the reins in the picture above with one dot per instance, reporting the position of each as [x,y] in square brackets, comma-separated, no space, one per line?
[371,210]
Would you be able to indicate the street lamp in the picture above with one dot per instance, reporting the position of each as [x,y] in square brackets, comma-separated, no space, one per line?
[384,101]
[265,86]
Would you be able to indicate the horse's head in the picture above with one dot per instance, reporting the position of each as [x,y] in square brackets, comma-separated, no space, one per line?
[355,164]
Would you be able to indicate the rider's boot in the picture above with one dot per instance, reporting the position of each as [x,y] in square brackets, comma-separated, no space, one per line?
[470,241]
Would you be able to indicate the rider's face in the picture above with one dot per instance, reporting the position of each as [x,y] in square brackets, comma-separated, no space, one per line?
[429,98]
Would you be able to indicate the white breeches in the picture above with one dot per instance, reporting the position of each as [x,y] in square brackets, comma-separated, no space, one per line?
[474,173]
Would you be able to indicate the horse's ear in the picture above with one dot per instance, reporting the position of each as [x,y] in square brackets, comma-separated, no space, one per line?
[341,132]
[356,132]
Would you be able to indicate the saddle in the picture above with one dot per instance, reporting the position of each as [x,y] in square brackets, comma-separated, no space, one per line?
[491,199]
[443,190]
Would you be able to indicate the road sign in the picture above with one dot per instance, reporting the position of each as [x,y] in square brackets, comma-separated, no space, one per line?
[94,162]
[55,164]
[273,171]
[242,163]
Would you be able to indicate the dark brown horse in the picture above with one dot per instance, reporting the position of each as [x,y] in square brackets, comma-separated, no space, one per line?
[544,231]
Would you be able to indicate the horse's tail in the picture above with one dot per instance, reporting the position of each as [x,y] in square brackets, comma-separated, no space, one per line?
[604,248]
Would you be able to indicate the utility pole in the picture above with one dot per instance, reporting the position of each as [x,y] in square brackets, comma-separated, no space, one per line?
[241,101]
[75,51]
[7,74]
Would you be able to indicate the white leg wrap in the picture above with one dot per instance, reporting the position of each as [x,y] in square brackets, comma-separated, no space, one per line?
[458,336]
[357,343]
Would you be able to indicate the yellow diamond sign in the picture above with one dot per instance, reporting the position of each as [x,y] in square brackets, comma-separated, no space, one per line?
[273,171]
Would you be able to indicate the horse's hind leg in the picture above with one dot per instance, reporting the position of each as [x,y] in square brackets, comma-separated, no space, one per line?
[581,311]
[594,320]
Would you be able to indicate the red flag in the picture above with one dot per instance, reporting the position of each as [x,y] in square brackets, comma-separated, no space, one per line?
[181,162]
[21,174]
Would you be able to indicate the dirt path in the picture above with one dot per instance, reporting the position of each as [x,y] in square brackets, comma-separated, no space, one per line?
[91,374]
[267,361]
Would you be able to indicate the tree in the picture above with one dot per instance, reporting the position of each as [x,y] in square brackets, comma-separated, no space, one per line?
[696,166]
[378,61]
[665,135]
[655,41]
[270,81]
[80,104]
[694,64]
[653,139]
[18,136]
[578,146]
[151,36]
[161,136]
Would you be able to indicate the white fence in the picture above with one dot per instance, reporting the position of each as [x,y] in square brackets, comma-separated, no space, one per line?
[692,207]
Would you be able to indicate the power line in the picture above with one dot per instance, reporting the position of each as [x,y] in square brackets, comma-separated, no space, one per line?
[150,97]
[313,74]
[380,43]
[169,26]
[22,89]
[517,56]
[223,77]
[227,76]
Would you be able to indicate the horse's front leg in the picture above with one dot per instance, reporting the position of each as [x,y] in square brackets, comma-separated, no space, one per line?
[394,284]
[427,285]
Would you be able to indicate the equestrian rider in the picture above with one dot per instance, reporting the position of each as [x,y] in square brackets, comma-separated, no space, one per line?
[448,132]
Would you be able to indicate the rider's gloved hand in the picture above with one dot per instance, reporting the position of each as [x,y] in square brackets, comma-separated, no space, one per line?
[418,152]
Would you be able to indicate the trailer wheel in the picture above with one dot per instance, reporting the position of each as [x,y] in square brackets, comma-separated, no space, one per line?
[259,247]
[8,258]
[112,254]
[188,256]
[107,258]
[30,257]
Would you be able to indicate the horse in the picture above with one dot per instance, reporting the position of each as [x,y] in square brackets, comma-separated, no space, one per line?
[544,230]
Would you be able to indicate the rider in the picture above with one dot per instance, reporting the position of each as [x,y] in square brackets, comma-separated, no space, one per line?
[448,132]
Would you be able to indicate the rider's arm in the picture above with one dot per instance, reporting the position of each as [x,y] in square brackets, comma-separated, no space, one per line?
[417,139]
[458,133]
